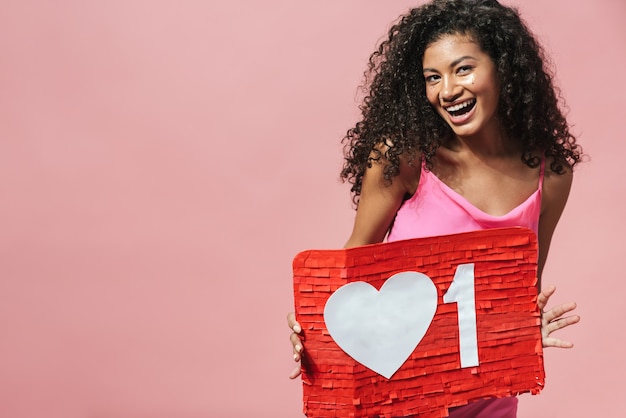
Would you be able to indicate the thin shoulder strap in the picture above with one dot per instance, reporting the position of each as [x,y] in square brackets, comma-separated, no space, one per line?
[542,171]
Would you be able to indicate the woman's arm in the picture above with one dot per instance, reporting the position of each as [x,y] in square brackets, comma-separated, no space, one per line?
[554,194]
[556,188]
[378,204]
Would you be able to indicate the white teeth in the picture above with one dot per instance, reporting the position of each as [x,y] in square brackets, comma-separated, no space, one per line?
[459,106]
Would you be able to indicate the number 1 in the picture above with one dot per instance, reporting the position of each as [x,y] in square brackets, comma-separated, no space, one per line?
[461,291]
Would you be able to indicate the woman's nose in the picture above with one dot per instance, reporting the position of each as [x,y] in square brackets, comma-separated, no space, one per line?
[450,90]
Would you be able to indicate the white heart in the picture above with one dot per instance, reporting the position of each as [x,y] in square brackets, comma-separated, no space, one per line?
[380,329]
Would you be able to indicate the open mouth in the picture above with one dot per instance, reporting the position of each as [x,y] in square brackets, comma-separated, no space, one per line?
[461,108]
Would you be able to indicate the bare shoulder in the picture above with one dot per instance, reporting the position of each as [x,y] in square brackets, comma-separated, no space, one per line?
[380,199]
[556,188]
[405,182]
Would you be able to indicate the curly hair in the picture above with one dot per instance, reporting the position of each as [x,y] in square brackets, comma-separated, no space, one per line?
[397,119]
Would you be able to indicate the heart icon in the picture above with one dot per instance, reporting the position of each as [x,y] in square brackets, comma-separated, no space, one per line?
[380,329]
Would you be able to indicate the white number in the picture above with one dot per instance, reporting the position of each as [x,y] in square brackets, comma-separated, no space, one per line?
[462,292]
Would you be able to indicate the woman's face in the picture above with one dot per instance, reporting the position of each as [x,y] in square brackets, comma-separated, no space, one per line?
[462,85]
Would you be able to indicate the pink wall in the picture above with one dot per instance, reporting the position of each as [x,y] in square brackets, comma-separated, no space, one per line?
[162,162]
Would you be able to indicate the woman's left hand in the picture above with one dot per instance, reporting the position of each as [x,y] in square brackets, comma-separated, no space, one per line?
[553,320]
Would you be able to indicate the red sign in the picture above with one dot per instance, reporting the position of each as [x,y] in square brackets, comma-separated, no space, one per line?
[483,339]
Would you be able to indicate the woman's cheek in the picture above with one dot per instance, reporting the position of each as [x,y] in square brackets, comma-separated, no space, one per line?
[469,80]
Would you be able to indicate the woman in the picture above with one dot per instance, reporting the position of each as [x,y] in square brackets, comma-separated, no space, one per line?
[461,130]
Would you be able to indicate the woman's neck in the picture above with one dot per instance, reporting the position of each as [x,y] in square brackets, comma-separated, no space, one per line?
[488,144]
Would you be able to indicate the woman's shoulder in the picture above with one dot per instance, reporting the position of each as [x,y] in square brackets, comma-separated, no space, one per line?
[556,184]
[557,174]
[380,198]
[408,175]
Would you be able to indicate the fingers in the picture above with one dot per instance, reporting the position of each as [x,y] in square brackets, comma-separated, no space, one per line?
[555,342]
[297,346]
[544,296]
[553,319]
[296,342]
[558,311]
[295,373]
[293,324]
[562,323]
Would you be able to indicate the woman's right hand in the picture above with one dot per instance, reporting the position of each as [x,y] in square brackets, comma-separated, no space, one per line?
[296,342]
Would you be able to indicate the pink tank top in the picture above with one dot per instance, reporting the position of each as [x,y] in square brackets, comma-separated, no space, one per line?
[436,209]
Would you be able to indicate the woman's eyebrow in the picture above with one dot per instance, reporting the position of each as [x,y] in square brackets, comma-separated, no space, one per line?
[453,63]
[459,60]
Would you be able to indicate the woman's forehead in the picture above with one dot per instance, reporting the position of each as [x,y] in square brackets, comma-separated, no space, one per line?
[451,47]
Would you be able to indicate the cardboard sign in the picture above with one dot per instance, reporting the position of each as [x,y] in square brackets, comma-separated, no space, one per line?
[419,326]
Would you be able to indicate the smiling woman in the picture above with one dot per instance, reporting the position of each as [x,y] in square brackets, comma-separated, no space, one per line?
[461,131]
[462,85]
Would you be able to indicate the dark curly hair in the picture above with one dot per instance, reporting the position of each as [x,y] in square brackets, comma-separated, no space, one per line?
[397,119]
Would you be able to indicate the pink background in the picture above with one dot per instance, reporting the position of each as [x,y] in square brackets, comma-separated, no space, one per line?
[161,163]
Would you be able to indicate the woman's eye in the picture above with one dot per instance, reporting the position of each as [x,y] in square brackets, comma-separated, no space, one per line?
[464,69]
[431,78]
